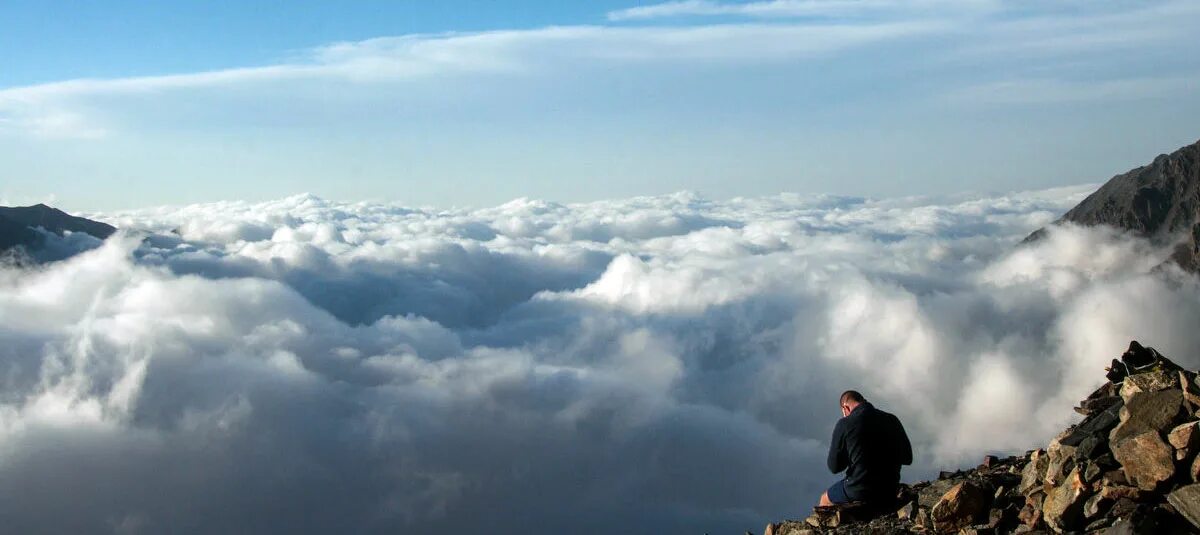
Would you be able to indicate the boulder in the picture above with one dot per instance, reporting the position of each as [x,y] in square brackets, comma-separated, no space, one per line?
[1095,507]
[929,495]
[1096,424]
[1146,459]
[962,506]
[1063,508]
[1144,411]
[1184,439]
[1194,470]
[1092,447]
[1060,458]
[1186,501]
[1190,393]
[1034,472]
[1151,381]
[1031,514]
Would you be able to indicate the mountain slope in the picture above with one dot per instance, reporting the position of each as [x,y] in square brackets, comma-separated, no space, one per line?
[1160,201]
[55,220]
[18,228]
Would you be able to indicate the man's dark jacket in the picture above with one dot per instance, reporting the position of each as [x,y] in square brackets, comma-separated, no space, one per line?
[870,445]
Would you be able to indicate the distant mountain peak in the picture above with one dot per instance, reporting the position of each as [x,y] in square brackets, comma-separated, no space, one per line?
[17,225]
[1160,201]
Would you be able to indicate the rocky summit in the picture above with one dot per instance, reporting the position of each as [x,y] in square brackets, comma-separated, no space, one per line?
[1159,201]
[1130,467]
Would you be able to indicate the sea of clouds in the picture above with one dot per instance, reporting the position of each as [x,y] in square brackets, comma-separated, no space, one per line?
[657,364]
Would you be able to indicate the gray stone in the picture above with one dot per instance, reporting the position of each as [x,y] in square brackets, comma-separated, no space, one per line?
[1146,459]
[1186,501]
[1063,508]
[1147,411]
[929,496]
[1184,439]
[1095,506]
[1151,381]
[1060,457]
[1034,472]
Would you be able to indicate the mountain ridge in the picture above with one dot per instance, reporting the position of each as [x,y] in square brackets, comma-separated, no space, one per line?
[1159,201]
[18,224]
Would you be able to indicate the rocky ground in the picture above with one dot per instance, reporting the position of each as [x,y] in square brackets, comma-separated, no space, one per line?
[1130,467]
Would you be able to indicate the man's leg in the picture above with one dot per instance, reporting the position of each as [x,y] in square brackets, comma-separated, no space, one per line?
[835,495]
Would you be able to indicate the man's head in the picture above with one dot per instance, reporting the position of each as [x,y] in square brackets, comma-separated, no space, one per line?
[849,400]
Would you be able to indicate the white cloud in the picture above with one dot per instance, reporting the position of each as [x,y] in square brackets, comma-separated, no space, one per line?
[76,108]
[798,8]
[1058,91]
[385,368]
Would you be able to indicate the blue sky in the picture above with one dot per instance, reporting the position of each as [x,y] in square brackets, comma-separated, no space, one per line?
[122,104]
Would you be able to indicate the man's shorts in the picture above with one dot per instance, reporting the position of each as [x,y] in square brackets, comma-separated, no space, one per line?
[837,492]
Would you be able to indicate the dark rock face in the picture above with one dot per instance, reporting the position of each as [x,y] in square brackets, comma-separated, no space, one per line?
[1160,201]
[55,220]
[13,234]
[17,225]
[1131,466]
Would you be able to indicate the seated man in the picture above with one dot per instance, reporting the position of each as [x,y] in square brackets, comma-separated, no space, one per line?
[870,445]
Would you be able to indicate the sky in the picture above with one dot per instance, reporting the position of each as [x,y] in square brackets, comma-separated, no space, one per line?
[454,103]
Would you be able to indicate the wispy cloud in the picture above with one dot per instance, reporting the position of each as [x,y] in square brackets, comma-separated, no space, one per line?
[53,109]
[796,8]
[1057,91]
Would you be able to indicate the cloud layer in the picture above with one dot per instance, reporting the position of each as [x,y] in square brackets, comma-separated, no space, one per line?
[643,365]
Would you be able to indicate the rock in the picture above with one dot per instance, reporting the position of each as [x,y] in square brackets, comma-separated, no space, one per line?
[1123,526]
[962,506]
[1151,381]
[1092,473]
[1030,515]
[989,461]
[1187,382]
[1194,471]
[1099,423]
[1060,460]
[906,511]
[1154,411]
[1117,492]
[1034,472]
[1186,501]
[790,528]
[1121,508]
[1095,506]
[930,495]
[1094,405]
[1184,439]
[1063,508]
[1146,459]
[1092,447]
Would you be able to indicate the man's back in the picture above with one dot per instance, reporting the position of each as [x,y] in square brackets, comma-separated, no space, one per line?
[870,445]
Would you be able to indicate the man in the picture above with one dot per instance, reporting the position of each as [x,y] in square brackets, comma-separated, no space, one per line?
[870,445]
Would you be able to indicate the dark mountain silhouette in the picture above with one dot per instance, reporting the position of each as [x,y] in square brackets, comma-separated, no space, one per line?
[55,220]
[13,233]
[17,225]
[1160,201]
